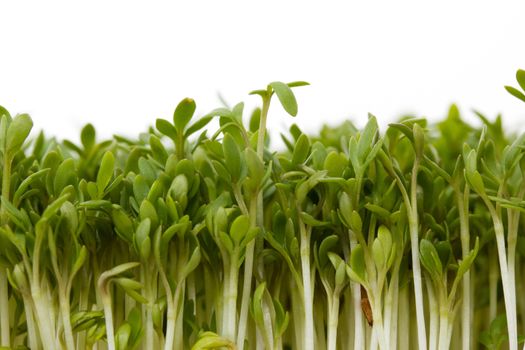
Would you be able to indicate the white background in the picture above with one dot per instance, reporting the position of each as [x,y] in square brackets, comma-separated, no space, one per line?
[122,64]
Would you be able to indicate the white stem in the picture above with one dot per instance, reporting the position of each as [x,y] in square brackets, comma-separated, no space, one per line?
[378,327]
[434,317]
[333,320]
[66,321]
[170,326]
[359,330]
[43,320]
[445,325]
[493,287]
[247,282]
[510,304]
[108,316]
[32,335]
[309,336]
[394,310]
[466,313]
[416,267]
[404,318]
[246,291]
[230,302]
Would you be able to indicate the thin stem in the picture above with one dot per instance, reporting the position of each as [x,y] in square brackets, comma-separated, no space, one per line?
[416,267]
[307,288]
[247,282]
[510,304]
[256,218]
[108,316]
[434,317]
[444,322]
[66,322]
[230,296]
[180,145]
[5,337]
[43,318]
[333,321]
[359,330]
[493,286]
[404,318]
[466,313]
[32,335]
[262,127]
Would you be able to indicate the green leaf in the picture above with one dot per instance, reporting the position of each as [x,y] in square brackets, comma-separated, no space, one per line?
[255,119]
[53,208]
[148,211]
[122,336]
[145,249]
[378,254]
[105,172]
[286,97]
[232,157]
[87,136]
[142,231]
[466,263]
[226,242]
[357,261]
[194,261]
[355,222]
[239,228]
[297,84]
[117,270]
[257,304]
[140,188]
[324,249]
[166,128]
[123,224]
[419,140]
[255,165]
[65,175]
[26,183]
[366,139]
[5,112]
[79,262]
[199,124]
[430,258]
[210,340]
[183,113]
[311,221]
[340,272]
[335,163]
[515,92]
[128,283]
[17,132]
[301,150]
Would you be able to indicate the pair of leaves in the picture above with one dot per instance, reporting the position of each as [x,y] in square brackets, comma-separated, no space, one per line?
[520,78]
[284,94]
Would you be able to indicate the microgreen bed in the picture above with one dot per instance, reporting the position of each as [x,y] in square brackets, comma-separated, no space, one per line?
[187,238]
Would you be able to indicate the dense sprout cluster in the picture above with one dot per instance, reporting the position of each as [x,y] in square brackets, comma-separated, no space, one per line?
[191,239]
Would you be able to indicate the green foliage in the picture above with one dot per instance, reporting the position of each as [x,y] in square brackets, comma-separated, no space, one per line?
[142,243]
